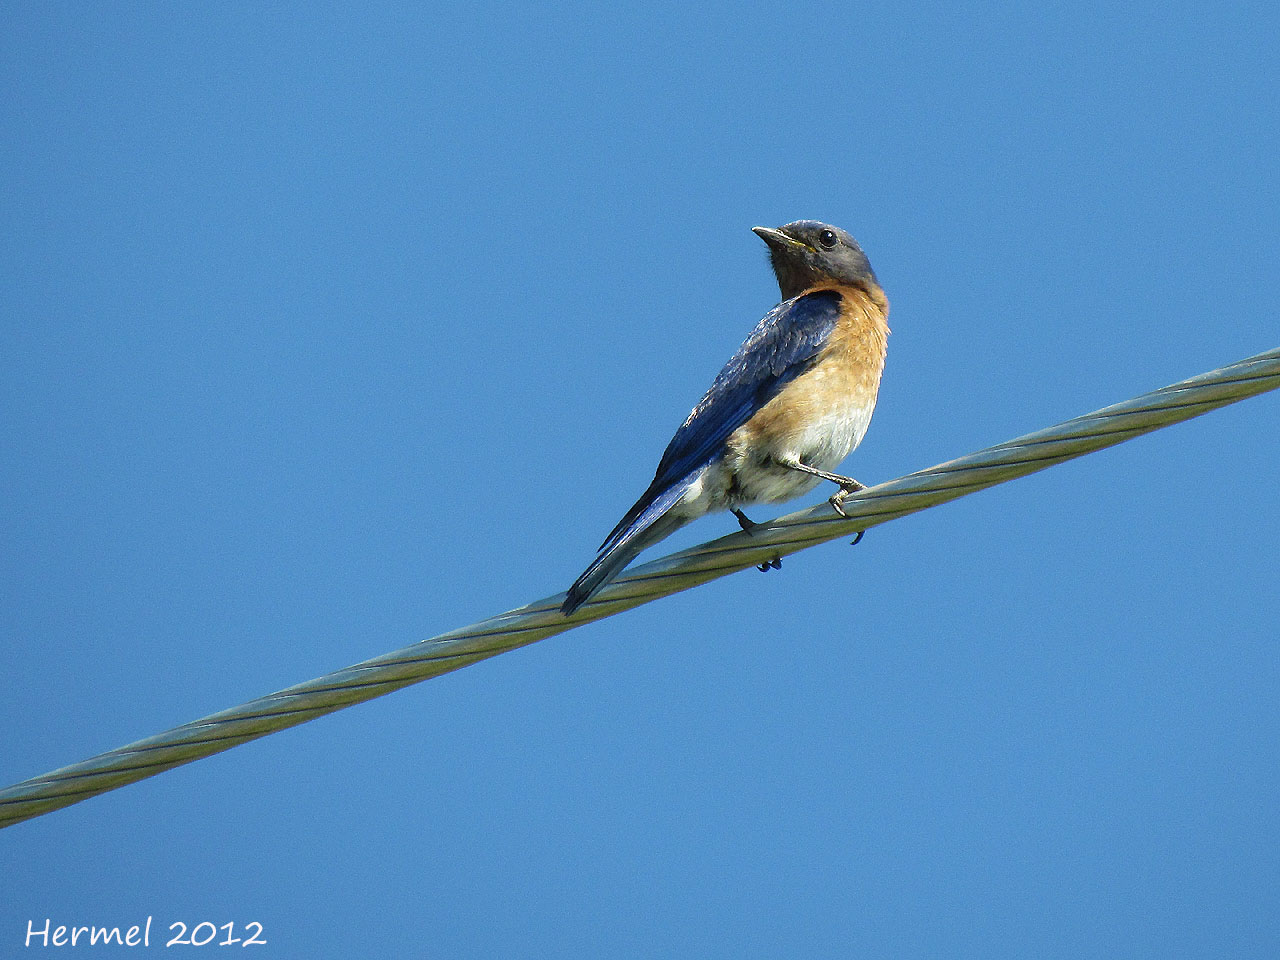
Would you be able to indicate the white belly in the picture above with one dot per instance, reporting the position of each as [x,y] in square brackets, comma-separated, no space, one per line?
[823,442]
[753,475]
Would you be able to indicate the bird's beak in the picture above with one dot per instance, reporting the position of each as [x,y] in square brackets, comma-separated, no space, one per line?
[778,240]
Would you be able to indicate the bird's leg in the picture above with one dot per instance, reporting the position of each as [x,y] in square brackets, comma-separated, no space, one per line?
[848,485]
[749,525]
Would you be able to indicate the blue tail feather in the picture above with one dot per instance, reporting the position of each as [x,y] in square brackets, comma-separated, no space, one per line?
[652,523]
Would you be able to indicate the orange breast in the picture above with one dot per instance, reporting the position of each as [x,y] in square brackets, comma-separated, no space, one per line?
[841,386]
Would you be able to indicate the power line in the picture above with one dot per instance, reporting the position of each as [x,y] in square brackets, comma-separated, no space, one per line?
[671,574]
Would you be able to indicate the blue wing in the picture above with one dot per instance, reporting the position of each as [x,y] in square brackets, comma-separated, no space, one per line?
[784,344]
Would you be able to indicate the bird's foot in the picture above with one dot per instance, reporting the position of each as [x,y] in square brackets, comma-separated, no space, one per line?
[749,526]
[847,486]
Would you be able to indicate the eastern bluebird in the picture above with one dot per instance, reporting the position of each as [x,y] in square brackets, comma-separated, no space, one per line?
[786,409]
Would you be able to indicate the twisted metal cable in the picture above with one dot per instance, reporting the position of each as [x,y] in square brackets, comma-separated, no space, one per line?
[679,571]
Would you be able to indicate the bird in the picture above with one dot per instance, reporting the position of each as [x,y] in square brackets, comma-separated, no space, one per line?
[792,402]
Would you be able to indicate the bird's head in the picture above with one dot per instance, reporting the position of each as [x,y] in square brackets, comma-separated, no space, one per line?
[808,252]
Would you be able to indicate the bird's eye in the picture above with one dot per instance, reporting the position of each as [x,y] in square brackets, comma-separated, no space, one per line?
[827,238]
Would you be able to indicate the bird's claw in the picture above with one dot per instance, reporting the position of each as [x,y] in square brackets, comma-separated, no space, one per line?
[837,499]
[837,504]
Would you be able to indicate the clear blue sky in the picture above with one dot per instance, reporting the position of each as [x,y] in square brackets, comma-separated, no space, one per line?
[325,329]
